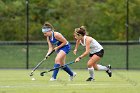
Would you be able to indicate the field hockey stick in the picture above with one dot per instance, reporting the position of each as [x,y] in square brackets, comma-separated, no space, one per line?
[41,62]
[42,73]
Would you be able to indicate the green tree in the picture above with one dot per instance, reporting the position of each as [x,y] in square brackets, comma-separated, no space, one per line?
[104,19]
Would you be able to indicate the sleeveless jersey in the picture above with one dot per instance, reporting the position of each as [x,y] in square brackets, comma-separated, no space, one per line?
[54,41]
[94,45]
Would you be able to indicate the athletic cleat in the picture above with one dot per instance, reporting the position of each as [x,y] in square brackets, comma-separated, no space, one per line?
[52,79]
[90,79]
[109,72]
[71,77]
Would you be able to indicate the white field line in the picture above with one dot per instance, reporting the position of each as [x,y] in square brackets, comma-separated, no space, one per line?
[108,85]
[44,85]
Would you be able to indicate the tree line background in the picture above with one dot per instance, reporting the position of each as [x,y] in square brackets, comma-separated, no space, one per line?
[104,19]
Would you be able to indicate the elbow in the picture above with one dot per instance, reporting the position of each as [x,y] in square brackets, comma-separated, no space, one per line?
[65,42]
[87,52]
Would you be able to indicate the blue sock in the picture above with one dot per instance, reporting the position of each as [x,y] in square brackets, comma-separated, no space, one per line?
[68,70]
[55,71]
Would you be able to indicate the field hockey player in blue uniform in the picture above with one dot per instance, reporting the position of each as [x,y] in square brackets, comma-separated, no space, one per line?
[62,47]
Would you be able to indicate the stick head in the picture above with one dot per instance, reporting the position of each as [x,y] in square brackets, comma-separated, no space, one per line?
[31,73]
[42,73]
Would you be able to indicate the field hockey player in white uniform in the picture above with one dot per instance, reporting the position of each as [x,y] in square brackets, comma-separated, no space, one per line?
[94,49]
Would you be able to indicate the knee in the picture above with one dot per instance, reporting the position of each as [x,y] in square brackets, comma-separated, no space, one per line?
[95,66]
[89,65]
[57,60]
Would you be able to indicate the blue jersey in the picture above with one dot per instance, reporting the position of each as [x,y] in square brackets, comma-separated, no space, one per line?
[66,48]
[53,40]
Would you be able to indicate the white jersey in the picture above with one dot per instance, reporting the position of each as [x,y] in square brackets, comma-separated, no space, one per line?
[94,45]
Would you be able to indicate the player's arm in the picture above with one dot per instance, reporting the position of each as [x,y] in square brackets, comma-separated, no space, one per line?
[88,40]
[60,38]
[76,46]
[49,45]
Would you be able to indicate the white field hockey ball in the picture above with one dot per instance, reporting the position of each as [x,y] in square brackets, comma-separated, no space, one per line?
[33,78]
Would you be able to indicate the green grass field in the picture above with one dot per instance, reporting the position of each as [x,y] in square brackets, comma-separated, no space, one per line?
[19,81]
[16,80]
[15,56]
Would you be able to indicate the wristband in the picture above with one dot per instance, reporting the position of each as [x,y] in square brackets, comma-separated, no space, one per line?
[80,57]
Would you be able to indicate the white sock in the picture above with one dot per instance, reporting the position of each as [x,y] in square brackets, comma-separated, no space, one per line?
[100,67]
[91,70]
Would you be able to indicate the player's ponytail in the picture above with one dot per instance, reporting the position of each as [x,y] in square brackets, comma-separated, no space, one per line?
[83,27]
[49,25]
[81,30]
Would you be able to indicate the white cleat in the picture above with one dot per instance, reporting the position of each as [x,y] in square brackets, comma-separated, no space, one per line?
[71,77]
[52,79]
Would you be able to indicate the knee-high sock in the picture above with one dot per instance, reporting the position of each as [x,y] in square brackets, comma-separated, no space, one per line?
[100,67]
[68,70]
[55,72]
[91,72]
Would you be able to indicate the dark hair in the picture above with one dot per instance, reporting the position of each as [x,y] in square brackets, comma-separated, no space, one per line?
[47,24]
